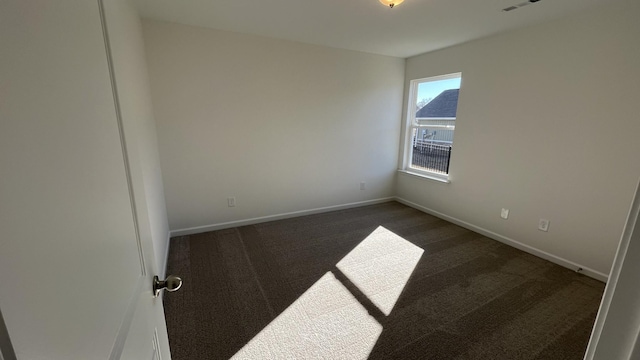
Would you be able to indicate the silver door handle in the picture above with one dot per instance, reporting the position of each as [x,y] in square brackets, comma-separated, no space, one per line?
[171,284]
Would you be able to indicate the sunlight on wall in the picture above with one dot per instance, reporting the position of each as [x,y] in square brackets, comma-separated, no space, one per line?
[327,321]
[380,267]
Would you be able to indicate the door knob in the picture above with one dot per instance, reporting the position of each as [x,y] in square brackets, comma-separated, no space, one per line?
[171,283]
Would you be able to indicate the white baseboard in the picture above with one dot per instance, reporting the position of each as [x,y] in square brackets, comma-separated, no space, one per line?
[516,244]
[231,224]
[490,234]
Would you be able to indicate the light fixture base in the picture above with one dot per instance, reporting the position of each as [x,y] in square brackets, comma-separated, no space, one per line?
[391,3]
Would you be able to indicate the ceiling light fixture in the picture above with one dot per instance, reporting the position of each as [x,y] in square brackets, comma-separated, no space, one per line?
[391,3]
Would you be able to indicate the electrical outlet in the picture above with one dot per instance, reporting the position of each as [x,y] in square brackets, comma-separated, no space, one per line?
[363,185]
[504,213]
[231,201]
[543,225]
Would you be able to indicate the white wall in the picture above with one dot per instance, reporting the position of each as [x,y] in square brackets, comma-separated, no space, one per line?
[282,126]
[132,81]
[547,127]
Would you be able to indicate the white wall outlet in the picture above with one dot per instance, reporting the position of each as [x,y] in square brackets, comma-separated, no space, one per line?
[543,225]
[504,213]
[363,185]
[231,201]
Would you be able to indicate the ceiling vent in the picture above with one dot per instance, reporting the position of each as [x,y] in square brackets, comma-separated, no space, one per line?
[515,7]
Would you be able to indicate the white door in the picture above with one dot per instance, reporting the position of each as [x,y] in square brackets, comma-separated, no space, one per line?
[76,273]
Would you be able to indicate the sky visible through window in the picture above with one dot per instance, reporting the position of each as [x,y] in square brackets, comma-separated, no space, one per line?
[431,89]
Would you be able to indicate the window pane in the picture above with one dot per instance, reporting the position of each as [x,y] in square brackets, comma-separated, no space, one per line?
[445,94]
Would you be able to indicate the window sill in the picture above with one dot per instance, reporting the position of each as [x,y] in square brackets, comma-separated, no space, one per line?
[424,176]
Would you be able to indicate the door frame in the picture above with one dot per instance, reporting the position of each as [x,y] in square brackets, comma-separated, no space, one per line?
[6,349]
[616,299]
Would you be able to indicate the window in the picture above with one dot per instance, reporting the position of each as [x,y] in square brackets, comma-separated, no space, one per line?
[431,122]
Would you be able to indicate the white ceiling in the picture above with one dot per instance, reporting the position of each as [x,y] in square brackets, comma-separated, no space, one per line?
[414,27]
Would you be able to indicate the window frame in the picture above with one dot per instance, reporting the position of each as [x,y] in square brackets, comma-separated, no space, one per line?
[412,123]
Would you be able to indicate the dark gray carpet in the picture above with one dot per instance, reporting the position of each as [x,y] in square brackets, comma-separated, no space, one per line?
[469,297]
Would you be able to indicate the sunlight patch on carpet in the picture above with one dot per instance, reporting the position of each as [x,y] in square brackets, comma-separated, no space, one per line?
[326,322]
[380,266]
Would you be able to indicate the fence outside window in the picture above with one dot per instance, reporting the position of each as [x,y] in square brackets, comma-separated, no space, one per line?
[432,157]
[432,141]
